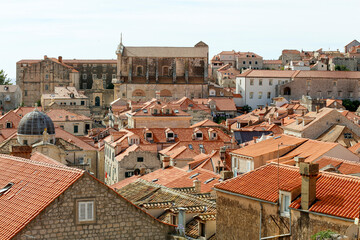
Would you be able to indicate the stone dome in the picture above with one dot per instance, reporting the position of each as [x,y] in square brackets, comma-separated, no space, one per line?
[34,123]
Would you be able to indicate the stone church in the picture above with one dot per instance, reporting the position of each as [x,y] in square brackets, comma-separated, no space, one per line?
[167,72]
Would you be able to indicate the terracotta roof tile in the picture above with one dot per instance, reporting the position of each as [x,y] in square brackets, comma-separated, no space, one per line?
[61,115]
[38,183]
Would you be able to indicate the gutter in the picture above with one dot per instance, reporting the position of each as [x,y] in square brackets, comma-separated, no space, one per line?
[244,196]
[324,215]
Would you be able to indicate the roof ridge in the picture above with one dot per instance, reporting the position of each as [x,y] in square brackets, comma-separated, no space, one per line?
[20,159]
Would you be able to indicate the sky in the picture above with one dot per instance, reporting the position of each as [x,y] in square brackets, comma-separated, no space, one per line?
[91,29]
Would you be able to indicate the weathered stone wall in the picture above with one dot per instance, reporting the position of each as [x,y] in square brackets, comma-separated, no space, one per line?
[148,91]
[159,122]
[239,218]
[321,88]
[115,217]
[304,225]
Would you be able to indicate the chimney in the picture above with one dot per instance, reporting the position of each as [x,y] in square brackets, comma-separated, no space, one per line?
[45,57]
[309,172]
[197,185]
[181,221]
[299,160]
[172,162]
[142,171]
[166,162]
[317,108]
[226,175]
[21,151]
[60,59]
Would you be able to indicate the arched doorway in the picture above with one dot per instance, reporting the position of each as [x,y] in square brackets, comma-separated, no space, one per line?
[287,91]
[137,171]
[138,93]
[97,101]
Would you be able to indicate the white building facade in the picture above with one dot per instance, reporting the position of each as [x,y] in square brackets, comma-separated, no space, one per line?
[259,87]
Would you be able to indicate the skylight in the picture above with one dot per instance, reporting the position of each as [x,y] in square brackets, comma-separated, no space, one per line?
[194,175]
[6,188]
[191,147]
[209,180]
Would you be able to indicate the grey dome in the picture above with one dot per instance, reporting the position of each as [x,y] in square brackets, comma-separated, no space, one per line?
[34,123]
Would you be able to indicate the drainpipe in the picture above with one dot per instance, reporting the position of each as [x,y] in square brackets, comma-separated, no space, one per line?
[261,208]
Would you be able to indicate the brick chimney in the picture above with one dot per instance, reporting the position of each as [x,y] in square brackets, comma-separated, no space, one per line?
[21,151]
[60,59]
[299,160]
[309,172]
[165,162]
[197,185]
[225,175]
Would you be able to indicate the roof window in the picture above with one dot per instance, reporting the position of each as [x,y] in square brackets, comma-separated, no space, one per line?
[194,175]
[155,180]
[6,188]
[209,180]
[191,147]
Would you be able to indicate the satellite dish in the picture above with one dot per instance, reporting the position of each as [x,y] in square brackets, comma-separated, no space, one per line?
[352,232]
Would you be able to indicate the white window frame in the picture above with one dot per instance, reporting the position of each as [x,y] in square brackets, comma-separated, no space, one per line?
[85,211]
[285,201]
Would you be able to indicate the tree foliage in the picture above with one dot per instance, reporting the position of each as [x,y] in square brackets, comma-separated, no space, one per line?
[341,68]
[350,105]
[4,80]
[322,235]
[246,109]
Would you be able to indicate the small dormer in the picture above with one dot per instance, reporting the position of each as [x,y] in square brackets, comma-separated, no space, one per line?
[170,136]
[212,134]
[9,124]
[166,110]
[198,135]
[155,110]
[133,139]
[148,135]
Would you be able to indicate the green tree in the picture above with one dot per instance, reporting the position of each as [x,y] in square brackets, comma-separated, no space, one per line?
[246,109]
[4,80]
[322,235]
[341,68]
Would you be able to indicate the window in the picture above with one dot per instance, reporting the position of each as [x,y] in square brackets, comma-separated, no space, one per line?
[97,101]
[85,211]
[269,95]
[308,82]
[104,76]
[339,93]
[148,135]
[84,76]
[260,82]
[348,135]
[139,71]
[286,204]
[82,102]
[251,81]
[62,126]
[84,65]
[249,62]
[129,174]
[140,159]
[244,62]
[94,76]
[260,95]
[270,82]
[25,92]
[165,71]
[202,229]
[113,76]
[199,135]
[329,93]
[248,166]
[173,219]
[334,83]
[319,94]
[251,95]
[47,76]
[76,128]
[256,62]
[351,94]
[84,85]
[25,142]
[8,125]
[170,135]
[155,111]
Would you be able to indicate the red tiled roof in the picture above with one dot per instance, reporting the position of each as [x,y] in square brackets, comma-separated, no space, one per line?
[60,133]
[342,165]
[59,115]
[10,117]
[36,185]
[261,183]
[272,62]
[39,157]
[329,74]
[205,123]
[336,194]
[270,73]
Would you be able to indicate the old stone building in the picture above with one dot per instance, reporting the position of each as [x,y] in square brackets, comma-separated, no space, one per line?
[36,77]
[322,84]
[90,69]
[172,72]
[67,203]
[285,202]
[10,97]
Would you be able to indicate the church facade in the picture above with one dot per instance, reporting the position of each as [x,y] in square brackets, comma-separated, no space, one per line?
[166,72]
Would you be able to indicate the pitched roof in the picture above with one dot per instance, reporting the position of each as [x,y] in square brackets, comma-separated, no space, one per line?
[342,165]
[64,92]
[61,133]
[205,123]
[61,115]
[224,104]
[270,145]
[329,74]
[34,182]
[39,157]
[269,73]
[336,194]
[166,52]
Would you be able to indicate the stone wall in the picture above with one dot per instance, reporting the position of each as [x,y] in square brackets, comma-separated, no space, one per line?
[116,218]
[239,218]
[305,224]
[148,91]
